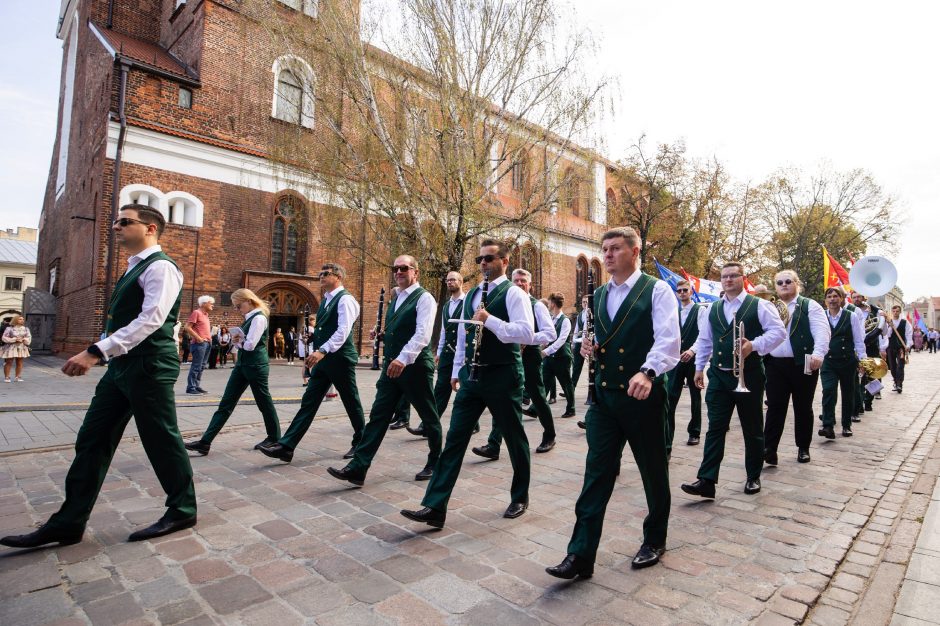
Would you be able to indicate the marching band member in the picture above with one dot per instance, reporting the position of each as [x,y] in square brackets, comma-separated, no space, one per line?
[873,341]
[899,334]
[557,362]
[683,375]
[840,369]
[577,337]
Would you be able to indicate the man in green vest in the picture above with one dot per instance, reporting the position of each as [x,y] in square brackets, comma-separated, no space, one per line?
[763,331]
[577,335]
[532,373]
[143,365]
[840,369]
[447,343]
[332,362]
[793,368]
[557,363]
[490,377]
[684,373]
[636,341]
[407,371]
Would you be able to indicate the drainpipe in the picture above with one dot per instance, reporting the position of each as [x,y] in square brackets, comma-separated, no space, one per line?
[110,13]
[115,185]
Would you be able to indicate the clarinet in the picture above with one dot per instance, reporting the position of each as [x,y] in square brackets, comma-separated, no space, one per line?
[588,336]
[377,342]
[475,364]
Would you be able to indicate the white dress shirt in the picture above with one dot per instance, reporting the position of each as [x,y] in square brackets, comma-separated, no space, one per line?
[162,283]
[774,332]
[664,355]
[888,331]
[818,328]
[519,328]
[546,329]
[254,330]
[424,324]
[347,311]
[577,337]
[452,312]
[858,331]
[556,345]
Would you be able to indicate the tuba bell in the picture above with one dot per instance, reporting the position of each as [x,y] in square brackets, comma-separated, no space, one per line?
[874,367]
[779,304]
[873,276]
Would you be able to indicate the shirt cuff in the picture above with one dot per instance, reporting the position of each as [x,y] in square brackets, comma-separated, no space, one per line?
[104,345]
[495,323]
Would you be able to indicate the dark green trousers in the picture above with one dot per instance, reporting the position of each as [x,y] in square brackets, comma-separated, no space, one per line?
[402,410]
[559,368]
[141,386]
[500,391]
[839,376]
[577,364]
[242,377]
[614,420]
[442,388]
[722,400]
[414,386]
[683,376]
[341,375]
[534,387]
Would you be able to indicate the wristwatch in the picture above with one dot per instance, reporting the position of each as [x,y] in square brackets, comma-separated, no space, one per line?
[650,373]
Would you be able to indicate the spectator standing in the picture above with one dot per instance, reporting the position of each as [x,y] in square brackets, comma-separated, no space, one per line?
[16,340]
[197,327]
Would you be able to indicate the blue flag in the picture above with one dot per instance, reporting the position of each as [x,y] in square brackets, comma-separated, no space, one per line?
[673,279]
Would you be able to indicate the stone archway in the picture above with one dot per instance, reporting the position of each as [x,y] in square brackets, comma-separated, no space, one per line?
[287,301]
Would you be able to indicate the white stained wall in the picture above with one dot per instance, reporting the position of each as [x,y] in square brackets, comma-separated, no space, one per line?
[14,299]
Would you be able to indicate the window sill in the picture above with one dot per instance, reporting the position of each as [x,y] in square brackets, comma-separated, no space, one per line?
[278,120]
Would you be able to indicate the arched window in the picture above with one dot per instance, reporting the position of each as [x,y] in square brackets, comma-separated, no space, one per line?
[294,85]
[285,236]
[580,278]
[598,274]
[529,260]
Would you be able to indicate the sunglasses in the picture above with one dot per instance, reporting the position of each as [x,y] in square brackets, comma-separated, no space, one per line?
[682,290]
[785,281]
[489,258]
[124,222]
[401,268]
[324,273]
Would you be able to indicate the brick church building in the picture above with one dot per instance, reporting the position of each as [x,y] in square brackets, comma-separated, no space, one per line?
[170,103]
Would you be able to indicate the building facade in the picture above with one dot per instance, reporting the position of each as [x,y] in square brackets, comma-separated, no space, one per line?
[171,103]
[17,272]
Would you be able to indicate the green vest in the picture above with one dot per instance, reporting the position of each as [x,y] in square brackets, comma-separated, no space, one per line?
[841,342]
[850,308]
[494,351]
[625,341]
[564,352]
[801,336]
[689,331]
[450,331]
[258,356]
[400,326]
[326,325]
[722,332]
[127,301]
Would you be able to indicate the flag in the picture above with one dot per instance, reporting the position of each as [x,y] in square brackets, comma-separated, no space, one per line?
[705,290]
[671,278]
[919,322]
[748,286]
[833,273]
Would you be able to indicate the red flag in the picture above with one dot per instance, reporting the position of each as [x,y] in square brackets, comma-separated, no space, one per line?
[836,276]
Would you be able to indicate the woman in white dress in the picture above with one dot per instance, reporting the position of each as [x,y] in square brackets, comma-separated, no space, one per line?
[16,340]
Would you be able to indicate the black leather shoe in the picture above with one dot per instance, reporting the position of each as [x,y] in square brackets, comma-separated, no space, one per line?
[278,451]
[828,432]
[646,556]
[516,509]
[201,390]
[426,516]
[803,455]
[197,446]
[552,400]
[264,443]
[426,473]
[846,432]
[398,424]
[526,401]
[487,452]
[546,445]
[693,440]
[752,486]
[41,536]
[900,389]
[350,453]
[770,457]
[347,475]
[701,487]
[569,414]
[868,408]
[573,566]
[856,418]
[562,394]
[530,413]
[582,424]
[417,432]
[162,526]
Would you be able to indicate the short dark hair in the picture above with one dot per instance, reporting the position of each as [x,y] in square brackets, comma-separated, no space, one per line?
[149,215]
[838,290]
[557,298]
[502,249]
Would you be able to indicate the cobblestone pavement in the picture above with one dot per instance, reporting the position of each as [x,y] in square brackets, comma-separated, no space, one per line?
[827,542]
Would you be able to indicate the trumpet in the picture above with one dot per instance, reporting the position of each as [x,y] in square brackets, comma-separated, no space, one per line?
[737,366]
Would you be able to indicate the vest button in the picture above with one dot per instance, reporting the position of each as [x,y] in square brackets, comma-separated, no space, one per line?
[621,350]
[621,386]
[603,350]
[621,368]
[604,384]
[603,366]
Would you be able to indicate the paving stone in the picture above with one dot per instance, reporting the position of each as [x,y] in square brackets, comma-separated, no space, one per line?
[371,588]
[497,613]
[179,612]
[449,592]
[405,608]
[39,607]
[316,600]
[206,570]
[233,594]
[115,610]
[278,575]
[403,568]
[277,529]
[272,612]
[357,615]
[162,591]
[180,549]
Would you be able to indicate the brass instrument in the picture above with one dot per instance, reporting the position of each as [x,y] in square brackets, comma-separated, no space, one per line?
[779,304]
[737,338]
[871,323]
[589,336]
[874,367]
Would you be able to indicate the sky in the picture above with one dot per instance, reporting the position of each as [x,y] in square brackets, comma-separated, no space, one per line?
[760,85]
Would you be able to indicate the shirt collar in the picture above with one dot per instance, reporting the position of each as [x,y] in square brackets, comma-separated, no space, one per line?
[560,313]
[252,312]
[631,280]
[495,281]
[409,290]
[688,306]
[134,259]
[331,294]
[457,298]
[739,298]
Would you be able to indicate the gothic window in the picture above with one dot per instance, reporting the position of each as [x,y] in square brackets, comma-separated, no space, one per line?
[596,268]
[286,253]
[289,97]
[294,84]
[580,278]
